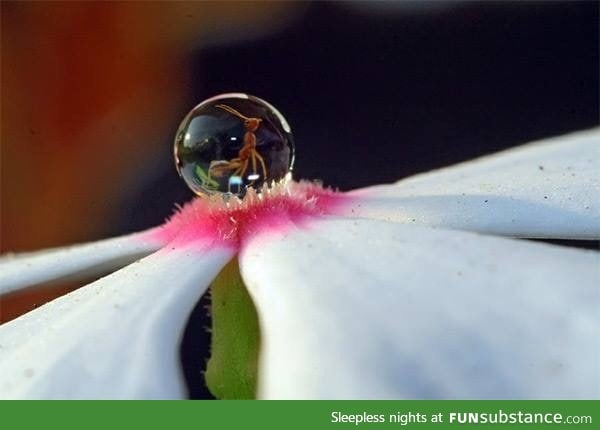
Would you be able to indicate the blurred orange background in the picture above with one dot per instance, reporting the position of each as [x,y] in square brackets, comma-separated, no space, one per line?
[90,91]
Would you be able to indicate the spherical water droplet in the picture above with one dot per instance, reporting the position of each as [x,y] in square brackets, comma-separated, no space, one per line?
[231,142]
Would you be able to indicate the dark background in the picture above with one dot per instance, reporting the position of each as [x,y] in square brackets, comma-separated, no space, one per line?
[372,98]
[93,93]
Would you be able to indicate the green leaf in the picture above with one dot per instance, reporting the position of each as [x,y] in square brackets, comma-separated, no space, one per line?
[205,179]
[232,369]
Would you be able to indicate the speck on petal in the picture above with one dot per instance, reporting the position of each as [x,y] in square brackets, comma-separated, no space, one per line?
[372,309]
[348,308]
[506,193]
[115,338]
[23,270]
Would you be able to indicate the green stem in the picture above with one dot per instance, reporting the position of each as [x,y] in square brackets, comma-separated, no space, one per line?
[232,369]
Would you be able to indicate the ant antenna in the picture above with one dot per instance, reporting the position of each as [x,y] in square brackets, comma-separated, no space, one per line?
[233,111]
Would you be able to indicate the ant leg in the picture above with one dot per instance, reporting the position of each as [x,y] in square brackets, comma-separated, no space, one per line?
[238,169]
[242,169]
[262,163]
[220,169]
[232,111]
[254,162]
[217,171]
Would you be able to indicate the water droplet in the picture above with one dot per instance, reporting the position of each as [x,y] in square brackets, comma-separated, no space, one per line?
[232,142]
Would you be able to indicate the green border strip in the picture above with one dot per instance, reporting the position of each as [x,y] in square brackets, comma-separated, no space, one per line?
[276,414]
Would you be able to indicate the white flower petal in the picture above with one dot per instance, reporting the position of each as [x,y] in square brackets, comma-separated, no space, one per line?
[371,309]
[73,262]
[548,189]
[115,338]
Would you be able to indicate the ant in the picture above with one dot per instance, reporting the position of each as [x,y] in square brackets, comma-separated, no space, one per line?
[247,152]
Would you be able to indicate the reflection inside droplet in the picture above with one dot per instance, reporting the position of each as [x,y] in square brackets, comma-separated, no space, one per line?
[231,142]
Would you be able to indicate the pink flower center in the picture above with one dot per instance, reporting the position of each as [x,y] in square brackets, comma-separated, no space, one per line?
[206,222]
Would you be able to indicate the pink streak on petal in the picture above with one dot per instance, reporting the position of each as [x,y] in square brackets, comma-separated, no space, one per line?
[210,222]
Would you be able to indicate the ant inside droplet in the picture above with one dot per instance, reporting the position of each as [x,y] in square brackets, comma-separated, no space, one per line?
[231,142]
